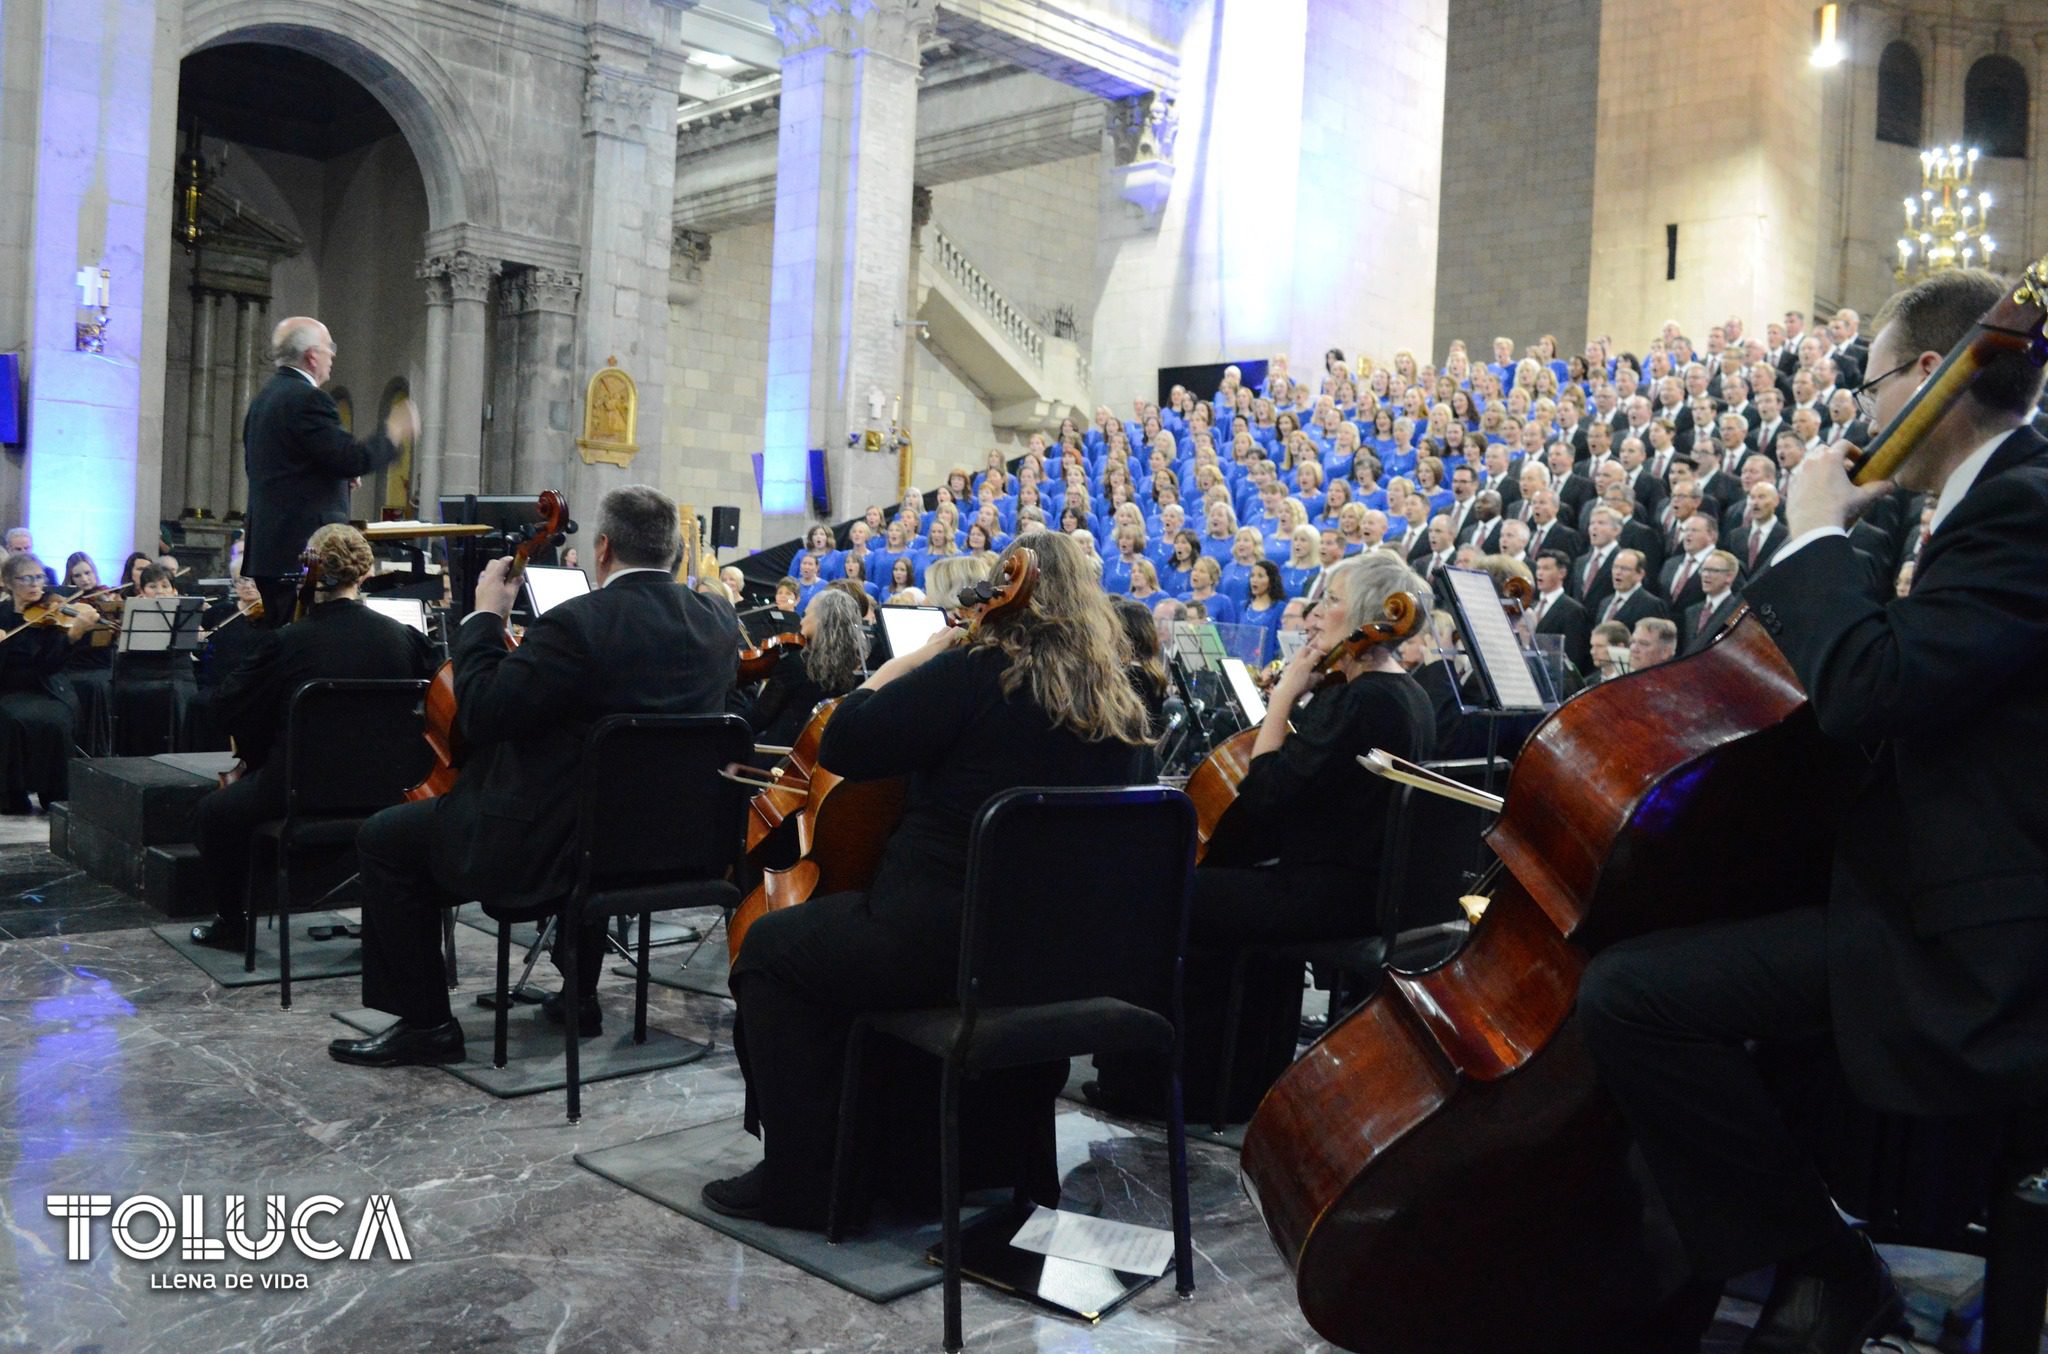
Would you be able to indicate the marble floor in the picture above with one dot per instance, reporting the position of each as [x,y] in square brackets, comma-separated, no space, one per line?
[123,1072]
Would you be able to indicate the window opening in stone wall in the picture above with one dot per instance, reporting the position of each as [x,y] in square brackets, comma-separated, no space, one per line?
[1995,107]
[1900,92]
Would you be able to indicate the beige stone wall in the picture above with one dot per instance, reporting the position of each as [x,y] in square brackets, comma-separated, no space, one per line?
[1513,254]
[1724,142]
[718,358]
[1031,232]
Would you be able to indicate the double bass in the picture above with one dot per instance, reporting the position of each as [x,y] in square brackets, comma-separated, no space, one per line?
[843,825]
[443,729]
[1441,1170]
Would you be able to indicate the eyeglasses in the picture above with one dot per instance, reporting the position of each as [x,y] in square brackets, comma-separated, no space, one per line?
[1866,394]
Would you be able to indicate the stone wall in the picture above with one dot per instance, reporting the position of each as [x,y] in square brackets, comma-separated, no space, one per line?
[1031,232]
[1512,256]
[718,359]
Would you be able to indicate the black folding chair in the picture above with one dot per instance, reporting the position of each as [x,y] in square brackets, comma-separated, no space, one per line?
[352,747]
[657,829]
[1029,995]
[1415,919]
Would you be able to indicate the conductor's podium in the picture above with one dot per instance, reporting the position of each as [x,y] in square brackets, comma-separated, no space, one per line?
[128,822]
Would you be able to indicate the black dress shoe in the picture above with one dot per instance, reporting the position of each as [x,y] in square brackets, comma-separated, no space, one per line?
[591,1023]
[1830,1308]
[742,1196]
[222,933]
[402,1045]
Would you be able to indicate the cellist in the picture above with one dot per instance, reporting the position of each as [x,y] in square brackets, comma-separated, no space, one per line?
[1927,961]
[1322,816]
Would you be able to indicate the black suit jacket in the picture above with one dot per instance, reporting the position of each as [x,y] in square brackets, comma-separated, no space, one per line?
[1690,638]
[1737,544]
[1684,597]
[1593,596]
[336,639]
[299,460]
[1642,606]
[1566,617]
[1639,535]
[1574,491]
[1938,906]
[643,645]
[1486,539]
[1648,491]
[1560,537]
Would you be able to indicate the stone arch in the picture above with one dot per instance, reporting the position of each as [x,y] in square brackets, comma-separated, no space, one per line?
[1900,95]
[392,64]
[1995,106]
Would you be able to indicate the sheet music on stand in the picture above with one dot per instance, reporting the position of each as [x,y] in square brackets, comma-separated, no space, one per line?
[1496,651]
[161,624]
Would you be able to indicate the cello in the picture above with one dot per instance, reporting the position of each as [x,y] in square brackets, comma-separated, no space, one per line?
[1452,1124]
[844,825]
[443,729]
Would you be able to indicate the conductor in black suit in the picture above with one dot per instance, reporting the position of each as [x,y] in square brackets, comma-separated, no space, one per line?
[340,637]
[1926,963]
[638,644]
[300,459]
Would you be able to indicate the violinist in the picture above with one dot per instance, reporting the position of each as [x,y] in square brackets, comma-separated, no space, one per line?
[1033,698]
[831,663]
[1927,961]
[150,690]
[38,707]
[638,643]
[339,637]
[1323,815]
[228,637]
[90,664]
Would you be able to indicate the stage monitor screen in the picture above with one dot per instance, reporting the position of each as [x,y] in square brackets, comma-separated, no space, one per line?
[547,587]
[908,628]
[405,610]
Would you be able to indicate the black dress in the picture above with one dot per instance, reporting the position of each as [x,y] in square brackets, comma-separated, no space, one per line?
[38,712]
[89,667]
[805,972]
[1324,816]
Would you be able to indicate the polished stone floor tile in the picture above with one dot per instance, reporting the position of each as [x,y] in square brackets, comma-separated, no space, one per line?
[124,1071]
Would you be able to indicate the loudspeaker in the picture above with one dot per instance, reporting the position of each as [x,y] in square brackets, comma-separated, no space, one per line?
[725,528]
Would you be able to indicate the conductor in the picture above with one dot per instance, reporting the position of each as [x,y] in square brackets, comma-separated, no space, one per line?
[301,460]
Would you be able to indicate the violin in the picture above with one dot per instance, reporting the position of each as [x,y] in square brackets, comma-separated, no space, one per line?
[757,663]
[1454,1121]
[1214,784]
[843,826]
[51,613]
[443,731]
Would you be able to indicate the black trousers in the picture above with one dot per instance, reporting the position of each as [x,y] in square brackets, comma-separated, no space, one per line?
[1665,1018]
[403,896]
[222,826]
[803,976]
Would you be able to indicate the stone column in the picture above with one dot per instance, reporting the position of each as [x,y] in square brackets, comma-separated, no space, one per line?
[200,447]
[433,397]
[542,302]
[629,137]
[238,404]
[462,433]
[845,150]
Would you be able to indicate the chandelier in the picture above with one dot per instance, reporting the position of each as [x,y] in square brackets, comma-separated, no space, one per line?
[1945,224]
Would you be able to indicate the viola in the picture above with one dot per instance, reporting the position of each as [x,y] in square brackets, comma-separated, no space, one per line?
[842,826]
[1214,784]
[757,663]
[1453,1122]
[443,731]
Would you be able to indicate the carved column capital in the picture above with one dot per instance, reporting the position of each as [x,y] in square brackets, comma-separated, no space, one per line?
[468,276]
[1143,128]
[920,206]
[619,104]
[892,28]
[433,270]
[542,289]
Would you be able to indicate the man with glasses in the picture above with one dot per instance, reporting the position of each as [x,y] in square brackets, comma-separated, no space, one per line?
[301,461]
[1926,963]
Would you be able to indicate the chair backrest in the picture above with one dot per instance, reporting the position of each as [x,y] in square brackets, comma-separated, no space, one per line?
[652,806]
[352,746]
[1078,893]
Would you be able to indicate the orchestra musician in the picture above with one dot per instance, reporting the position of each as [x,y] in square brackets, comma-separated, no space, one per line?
[1323,815]
[227,637]
[301,460]
[831,663]
[90,664]
[1035,698]
[339,637]
[40,708]
[639,643]
[1928,960]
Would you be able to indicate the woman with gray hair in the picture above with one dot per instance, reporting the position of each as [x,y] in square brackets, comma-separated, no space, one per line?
[831,663]
[1317,818]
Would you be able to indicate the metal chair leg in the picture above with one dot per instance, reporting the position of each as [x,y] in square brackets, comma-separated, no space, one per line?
[640,980]
[949,1189]
[284,925]
[504,994]
[2016,1270]
[572,1009]
[533,954]
[1177,1167]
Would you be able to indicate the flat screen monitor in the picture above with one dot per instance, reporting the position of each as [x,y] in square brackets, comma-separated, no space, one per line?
[548,586]
[909,628]
[405,610]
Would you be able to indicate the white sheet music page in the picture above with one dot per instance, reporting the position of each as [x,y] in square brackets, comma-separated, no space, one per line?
[1095,1241]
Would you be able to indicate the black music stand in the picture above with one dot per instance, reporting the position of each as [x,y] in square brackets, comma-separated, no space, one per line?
[152,659]
[1514,680]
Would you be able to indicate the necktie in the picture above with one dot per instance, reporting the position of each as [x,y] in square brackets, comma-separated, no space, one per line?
[1684,577]
[1756,541]
[1592,572]
[1541,607]
[1613,605]
[1706,614]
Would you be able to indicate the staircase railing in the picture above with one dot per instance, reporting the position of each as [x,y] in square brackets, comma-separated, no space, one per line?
[990,302]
